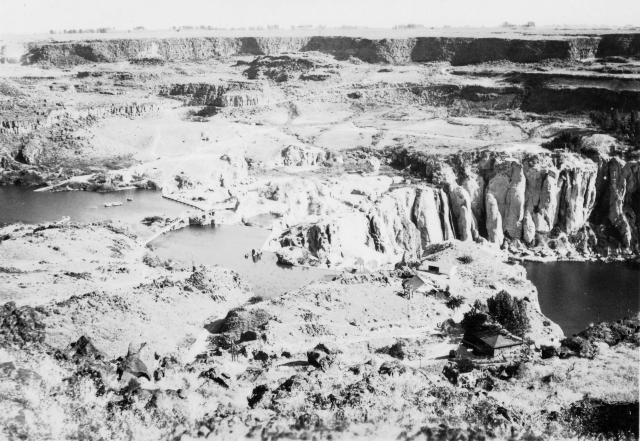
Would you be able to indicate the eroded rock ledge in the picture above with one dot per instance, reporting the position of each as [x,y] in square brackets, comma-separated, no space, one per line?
[457,50]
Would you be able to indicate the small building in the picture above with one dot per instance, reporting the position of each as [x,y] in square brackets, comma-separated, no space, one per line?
[417,283]
[492,343]
[443,268]
[414,283]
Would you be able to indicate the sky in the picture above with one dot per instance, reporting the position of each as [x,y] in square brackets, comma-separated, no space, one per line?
[29,16]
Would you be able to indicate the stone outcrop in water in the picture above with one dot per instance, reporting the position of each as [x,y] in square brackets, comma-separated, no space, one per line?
[457,50]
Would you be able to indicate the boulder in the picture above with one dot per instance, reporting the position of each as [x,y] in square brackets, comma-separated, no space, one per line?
[131,364]
[319,359]
[83,349]
[299,156]
[370,165]
[20,326]
[392,368]
[256,395]
[239,322]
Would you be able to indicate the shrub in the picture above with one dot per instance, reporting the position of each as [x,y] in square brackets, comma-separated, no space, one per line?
[466,259]
[565,140]
[454,302]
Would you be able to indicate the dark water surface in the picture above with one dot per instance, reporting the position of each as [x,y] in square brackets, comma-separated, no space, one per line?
[227,245]
[224,245]
[18,204]
[574,294]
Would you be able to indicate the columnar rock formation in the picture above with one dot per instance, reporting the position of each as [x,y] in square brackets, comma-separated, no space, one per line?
[529,198]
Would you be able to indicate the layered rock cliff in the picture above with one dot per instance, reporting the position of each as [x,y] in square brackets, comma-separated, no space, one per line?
[457,50]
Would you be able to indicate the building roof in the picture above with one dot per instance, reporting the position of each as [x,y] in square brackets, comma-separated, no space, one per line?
[415,282]
[494,339]
[501,341]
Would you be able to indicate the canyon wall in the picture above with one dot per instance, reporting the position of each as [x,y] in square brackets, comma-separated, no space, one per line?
[527,197]
[457,50]
[536,199]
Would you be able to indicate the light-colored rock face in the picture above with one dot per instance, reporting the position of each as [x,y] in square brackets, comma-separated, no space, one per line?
[508,188]
[522,198]
[431,215]
[495,232]
[299,156]
[461,209]
[519,197]
[542,196]
[528,229]
[474,185]
[577,197]
[400,223]
[620,205]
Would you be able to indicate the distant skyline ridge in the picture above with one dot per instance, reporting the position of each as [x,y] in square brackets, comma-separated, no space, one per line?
[41,16]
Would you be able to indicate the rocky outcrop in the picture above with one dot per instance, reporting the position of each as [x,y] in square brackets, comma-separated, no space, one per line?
[618,202]
[231,94]
[457,50]
[495,232]
[527,198]
[401,223]
[508,188]
[301,156]
[20,325]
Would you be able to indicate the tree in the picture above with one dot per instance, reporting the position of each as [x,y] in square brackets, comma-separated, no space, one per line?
[476,318]
[510,312]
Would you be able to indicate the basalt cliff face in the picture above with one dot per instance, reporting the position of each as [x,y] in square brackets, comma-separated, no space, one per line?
[457,50]
[560,201]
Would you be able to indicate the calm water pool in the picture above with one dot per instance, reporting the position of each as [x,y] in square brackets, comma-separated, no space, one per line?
[227,246]
[24,205]
[574,294]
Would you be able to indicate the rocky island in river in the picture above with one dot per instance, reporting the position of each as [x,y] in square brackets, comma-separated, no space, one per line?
[317,237]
